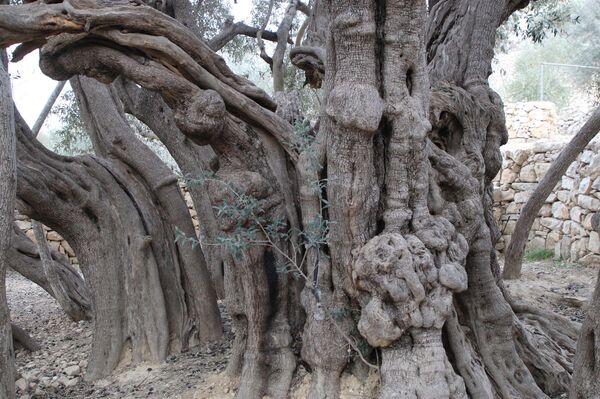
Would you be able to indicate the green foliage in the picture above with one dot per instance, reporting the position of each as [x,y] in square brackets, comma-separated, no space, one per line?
[538,255]
[569,31]
[71,138]
[247,216]
[525,84]
[538,21]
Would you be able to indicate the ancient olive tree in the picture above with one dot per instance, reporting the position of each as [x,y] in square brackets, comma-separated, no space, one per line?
[377,220]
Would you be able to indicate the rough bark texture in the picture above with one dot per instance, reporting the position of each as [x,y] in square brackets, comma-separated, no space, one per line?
[59,290]
[586,374]
[108,214]
[7,206]
[25,258]
[514,254]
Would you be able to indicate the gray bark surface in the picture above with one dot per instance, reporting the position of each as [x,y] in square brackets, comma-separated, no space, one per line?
[7,205]
[586,374]
[25,258]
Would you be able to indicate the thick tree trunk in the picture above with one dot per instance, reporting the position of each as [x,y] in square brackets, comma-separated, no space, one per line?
[112,222]
[513,259]
[25,258]
[7,206]
[193,160]
[586,367]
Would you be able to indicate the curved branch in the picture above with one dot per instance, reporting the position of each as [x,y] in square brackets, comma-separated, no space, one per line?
[162,55]
[232,30]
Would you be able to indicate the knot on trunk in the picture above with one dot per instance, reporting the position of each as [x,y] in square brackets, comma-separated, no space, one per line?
[202,117]
[407,282]
[355,106]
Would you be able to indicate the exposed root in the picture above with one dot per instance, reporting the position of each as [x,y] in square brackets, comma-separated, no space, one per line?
[23,338]
[546,342]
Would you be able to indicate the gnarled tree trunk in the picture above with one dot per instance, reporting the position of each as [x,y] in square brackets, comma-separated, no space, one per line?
[7,206]
[586,374]
[110,218]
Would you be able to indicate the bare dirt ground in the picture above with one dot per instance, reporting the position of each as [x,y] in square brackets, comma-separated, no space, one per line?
[56,371]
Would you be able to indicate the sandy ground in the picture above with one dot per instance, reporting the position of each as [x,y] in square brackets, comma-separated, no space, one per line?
[56,371]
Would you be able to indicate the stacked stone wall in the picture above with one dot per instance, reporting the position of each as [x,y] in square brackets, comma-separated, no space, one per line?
[563,225]
[531,120]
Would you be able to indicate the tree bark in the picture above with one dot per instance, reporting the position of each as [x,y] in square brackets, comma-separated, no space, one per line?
[25,258]
[586,367]
[513,259]
[192,159]
[61,293]
[7,206]
[112,223]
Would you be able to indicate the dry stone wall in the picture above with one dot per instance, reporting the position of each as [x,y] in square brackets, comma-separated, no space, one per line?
[564,222]
[531,120]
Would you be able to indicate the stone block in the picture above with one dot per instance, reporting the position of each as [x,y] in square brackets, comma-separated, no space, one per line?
[576,214]
[586,156]
[572,169]
[594,242]
[588,202]
[587,221]
[53,236]
[551,223]
[552,239]
[546,210]
[30,235]
[565,248]
[23,224]
[560,211]
[585,185]
[522,196]
[536,243]
[508,176]
[527,174]
[504,195]
[541,169]
[567,183]
[551,198]
[563,196]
